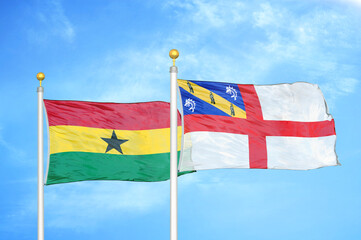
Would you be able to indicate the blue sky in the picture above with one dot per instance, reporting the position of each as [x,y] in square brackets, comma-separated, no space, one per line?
[118,51]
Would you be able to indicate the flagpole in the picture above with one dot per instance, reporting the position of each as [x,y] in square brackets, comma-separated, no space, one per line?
[40,76]
[173,148]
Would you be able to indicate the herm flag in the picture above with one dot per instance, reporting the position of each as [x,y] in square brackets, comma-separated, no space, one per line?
[108,141]
[283,126]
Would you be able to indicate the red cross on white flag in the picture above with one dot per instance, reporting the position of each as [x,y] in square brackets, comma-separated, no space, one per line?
[286,126]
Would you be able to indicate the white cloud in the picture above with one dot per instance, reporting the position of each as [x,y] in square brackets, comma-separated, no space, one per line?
[80,205]
[338,87]
[85,205]
[267,16]
[138,75]
[131,75]
[352,2]
[220,183]
[348,85]
[304,41]
[53,22]
[13,152]
[210,13]
[311,43]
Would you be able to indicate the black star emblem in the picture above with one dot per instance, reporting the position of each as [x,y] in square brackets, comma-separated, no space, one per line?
[114,142]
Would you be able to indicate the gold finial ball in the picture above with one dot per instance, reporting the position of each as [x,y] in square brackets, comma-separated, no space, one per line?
[173,53]
[40,76]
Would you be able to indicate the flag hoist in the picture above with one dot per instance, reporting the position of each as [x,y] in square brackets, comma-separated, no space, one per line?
[173,147]
[173,152]
[40,76]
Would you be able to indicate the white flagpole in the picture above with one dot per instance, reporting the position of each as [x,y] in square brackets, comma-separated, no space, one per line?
[173,148]
[40,76]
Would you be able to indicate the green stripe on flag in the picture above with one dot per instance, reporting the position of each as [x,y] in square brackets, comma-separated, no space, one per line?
[81,166]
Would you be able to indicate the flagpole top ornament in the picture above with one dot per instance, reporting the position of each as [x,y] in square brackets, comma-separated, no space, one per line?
[40,76]
[173,54]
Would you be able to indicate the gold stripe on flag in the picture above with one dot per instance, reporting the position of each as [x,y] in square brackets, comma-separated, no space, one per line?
[85,139]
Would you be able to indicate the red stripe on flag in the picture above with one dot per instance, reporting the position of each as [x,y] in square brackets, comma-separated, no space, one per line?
[215,123]
[257,151]
[256,142]
[251,102]
[121,116]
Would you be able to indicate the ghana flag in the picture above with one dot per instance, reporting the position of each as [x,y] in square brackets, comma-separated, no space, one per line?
[108,141]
